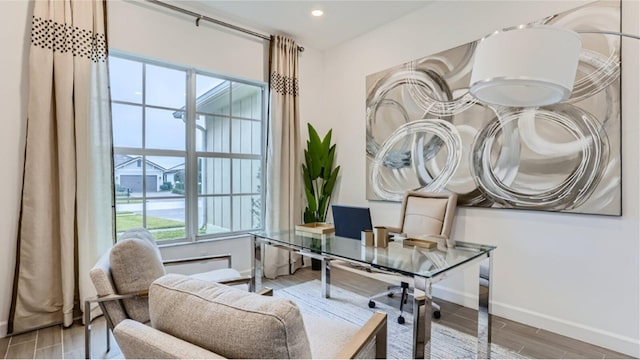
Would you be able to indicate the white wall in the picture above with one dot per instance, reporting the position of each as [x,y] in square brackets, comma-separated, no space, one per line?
[577,275]
[15,17]
[312,95]
[145,29]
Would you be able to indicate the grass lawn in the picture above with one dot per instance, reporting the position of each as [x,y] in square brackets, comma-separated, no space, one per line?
[128,201]
[168,234]
[126,220]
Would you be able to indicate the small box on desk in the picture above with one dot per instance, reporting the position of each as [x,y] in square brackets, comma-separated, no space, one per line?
[426,244]
[315,228]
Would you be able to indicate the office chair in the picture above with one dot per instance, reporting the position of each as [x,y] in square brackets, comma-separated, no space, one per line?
[423,215]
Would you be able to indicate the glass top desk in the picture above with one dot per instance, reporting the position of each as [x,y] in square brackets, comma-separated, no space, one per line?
[426,265]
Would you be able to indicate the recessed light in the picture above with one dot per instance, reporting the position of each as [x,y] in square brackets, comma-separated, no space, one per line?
[317,12]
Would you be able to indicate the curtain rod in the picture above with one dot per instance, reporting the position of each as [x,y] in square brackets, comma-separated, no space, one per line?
[215,21]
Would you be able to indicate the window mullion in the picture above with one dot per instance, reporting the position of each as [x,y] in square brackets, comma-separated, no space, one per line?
[263,155]
[191,162]
[144,145]
[231,151]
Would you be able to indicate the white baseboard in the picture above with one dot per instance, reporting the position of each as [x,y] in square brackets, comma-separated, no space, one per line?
[605,339]
[3,329]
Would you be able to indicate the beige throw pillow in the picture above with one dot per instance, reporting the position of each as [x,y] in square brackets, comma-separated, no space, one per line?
[135,264]
[230,322]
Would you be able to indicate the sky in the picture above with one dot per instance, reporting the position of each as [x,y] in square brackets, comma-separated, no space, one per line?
[164,87]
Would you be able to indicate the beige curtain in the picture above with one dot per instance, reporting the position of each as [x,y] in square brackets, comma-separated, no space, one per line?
[283,175]
[66,210]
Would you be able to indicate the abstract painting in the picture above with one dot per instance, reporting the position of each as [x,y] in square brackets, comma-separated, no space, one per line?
[425,132]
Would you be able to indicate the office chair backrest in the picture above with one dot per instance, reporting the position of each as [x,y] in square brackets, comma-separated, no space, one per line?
[426,213]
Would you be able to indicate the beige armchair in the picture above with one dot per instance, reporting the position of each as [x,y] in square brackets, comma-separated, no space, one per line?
[122,277]
[427,216]
[196,319]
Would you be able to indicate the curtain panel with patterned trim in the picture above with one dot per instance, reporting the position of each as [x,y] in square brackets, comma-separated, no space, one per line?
[283,175]
[66,208]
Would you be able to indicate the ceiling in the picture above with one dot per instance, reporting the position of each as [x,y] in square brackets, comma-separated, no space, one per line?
[342,20]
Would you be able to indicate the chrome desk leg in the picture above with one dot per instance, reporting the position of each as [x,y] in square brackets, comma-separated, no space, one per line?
[256,269]
[422,323]
[326,278]
[484,310]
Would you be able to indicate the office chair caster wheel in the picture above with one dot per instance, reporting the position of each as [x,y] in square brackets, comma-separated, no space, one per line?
[372,304]
[400,319]
[436,314]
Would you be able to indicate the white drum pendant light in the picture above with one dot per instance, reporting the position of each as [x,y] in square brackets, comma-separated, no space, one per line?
[526,66]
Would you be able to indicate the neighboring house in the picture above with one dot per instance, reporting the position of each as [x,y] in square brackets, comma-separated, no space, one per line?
[128,173]
[174,174]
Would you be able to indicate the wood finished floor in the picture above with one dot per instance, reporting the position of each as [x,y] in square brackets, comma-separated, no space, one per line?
[56,343]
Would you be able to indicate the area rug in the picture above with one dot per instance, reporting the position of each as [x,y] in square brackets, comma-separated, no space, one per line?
[446,343]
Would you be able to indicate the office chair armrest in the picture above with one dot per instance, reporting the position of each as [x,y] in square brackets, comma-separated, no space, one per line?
[375,327]
[226,257]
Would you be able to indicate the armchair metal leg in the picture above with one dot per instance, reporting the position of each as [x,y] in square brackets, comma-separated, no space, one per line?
[87,330]
[108,339]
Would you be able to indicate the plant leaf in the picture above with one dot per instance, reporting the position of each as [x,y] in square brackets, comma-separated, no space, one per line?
[326,142]
[315,154]
[306,178]
[328,164]
[311,200]
[328,186]
[322,207]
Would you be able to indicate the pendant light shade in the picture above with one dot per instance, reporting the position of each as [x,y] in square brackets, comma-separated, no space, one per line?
[526,66]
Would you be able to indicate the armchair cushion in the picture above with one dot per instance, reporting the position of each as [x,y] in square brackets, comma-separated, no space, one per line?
[139,341]
[254,326]
[328,336]
[135,264]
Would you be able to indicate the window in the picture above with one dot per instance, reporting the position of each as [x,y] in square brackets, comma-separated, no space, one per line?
[188,150]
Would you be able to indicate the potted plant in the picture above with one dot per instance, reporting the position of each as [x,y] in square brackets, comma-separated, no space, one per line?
[319,178]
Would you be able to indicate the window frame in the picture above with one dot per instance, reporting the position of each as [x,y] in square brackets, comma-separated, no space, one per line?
[191,154]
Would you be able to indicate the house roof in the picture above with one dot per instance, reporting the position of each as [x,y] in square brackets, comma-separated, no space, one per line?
[217,92]
[125,160]
[175,169]
[119,159]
